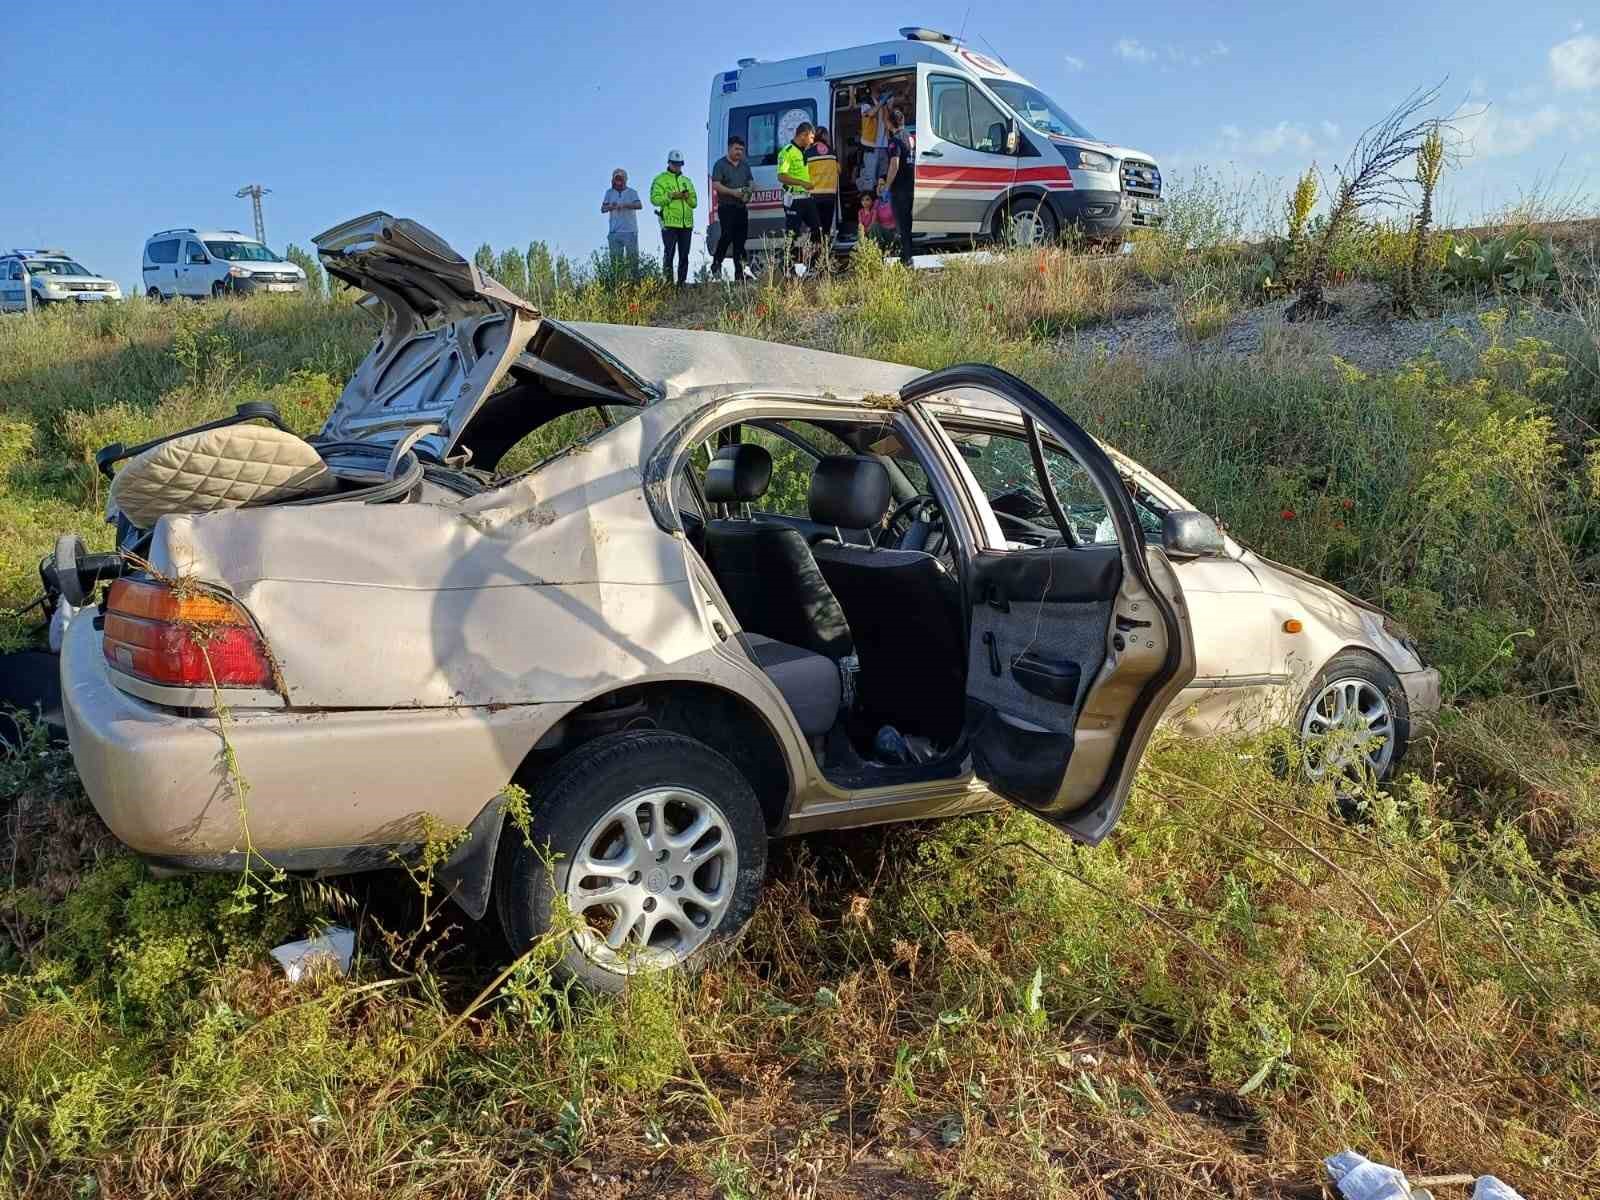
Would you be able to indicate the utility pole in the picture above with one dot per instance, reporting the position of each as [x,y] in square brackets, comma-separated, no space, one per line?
[255,191]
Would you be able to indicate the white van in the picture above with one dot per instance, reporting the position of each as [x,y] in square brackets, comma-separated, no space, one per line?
[996,157]
[189,262]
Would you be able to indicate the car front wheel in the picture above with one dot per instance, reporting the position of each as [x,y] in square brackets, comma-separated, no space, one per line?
[652,843]
[1029,223]
[1354,723]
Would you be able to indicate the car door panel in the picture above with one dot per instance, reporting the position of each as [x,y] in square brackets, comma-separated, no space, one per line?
[191,275]
[961,171]
[1074,650]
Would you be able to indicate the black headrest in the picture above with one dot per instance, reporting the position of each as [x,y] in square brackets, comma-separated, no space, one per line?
[850,491]
[738,473]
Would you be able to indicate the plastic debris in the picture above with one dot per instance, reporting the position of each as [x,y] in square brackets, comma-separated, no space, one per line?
[336,945]
[59,620]
[1490,1188]
[1359,1178]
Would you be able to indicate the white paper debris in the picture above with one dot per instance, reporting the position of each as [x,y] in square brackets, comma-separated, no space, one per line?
[337,946]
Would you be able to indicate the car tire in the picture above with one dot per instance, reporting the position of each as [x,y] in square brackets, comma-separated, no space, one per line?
[1359,698]
[154,296]
[1029,213]
[701,894]
[219,290]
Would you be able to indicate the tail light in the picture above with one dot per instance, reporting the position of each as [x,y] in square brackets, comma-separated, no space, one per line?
[183,637]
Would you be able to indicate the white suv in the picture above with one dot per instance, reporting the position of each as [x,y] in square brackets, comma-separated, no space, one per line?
[199,264]
[53,278]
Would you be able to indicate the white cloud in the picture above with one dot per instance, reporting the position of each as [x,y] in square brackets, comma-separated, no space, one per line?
[1330,130]
[1134,50]
[1074,63]
[1275,139]
[1575,63]
[1181,55]
[1488,132]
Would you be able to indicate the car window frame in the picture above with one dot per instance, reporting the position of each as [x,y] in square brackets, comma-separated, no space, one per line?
[994,425]
[186,255]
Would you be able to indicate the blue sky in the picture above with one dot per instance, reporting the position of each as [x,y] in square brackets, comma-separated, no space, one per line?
[502,123]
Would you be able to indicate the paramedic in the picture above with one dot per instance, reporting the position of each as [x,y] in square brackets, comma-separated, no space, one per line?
[672,194]
[622,203]
[731,183]
[800,210]
[874,137]
[902,178]
[824,167]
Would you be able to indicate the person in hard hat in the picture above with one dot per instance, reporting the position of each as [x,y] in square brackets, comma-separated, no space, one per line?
[799,209]
[672,194]
[621,203]
[823,164]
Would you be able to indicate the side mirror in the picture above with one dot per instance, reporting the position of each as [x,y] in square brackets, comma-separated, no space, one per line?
[1191,535]
[1013,140]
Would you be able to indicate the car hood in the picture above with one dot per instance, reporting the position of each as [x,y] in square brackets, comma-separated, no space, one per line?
[271,268]
[449,336]
[1111,148]
[44,277]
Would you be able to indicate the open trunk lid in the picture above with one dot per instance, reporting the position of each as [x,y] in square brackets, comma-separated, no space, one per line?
[449,335]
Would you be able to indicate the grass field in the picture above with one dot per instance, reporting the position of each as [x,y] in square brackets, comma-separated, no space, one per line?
[1235,985]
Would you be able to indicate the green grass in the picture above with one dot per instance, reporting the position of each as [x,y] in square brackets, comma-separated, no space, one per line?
[1233,986]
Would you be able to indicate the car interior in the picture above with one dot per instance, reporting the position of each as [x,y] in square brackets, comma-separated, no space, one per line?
[831,549]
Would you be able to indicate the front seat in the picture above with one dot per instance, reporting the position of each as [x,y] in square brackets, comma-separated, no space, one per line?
[765,568]
[904,607]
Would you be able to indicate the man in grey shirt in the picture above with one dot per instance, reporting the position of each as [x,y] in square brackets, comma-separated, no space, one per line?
[622,204]
[731,181]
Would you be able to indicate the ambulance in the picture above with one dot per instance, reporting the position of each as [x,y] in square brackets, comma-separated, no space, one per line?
[996,158]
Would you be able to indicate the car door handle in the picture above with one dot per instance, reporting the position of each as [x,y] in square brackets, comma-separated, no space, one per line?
[933,154]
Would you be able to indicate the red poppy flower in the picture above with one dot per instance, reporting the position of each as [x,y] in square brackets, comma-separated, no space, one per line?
[1287,514]
[761,310]
[1347,504]
[1338,524]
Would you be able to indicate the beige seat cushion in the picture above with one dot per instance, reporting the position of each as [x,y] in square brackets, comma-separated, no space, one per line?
[230,467]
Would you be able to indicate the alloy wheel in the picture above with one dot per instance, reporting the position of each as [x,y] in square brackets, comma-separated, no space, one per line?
[652,879]
[1348,731]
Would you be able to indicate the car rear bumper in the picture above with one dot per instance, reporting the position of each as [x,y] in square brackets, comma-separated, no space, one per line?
[315,787]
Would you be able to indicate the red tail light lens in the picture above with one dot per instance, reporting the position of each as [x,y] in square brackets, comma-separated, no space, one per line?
[182,638]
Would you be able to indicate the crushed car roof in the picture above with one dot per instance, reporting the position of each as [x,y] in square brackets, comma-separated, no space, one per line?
[673,362]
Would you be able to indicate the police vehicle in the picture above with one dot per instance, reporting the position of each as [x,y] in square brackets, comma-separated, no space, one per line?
[53,278]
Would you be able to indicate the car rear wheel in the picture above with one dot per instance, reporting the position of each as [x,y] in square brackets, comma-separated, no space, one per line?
[649,851]
[154,295]
[1354,722]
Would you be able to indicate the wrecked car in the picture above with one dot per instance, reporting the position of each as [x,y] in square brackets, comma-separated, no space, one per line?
[769,591]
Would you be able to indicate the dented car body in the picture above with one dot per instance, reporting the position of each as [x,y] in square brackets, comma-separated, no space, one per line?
[627,613]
